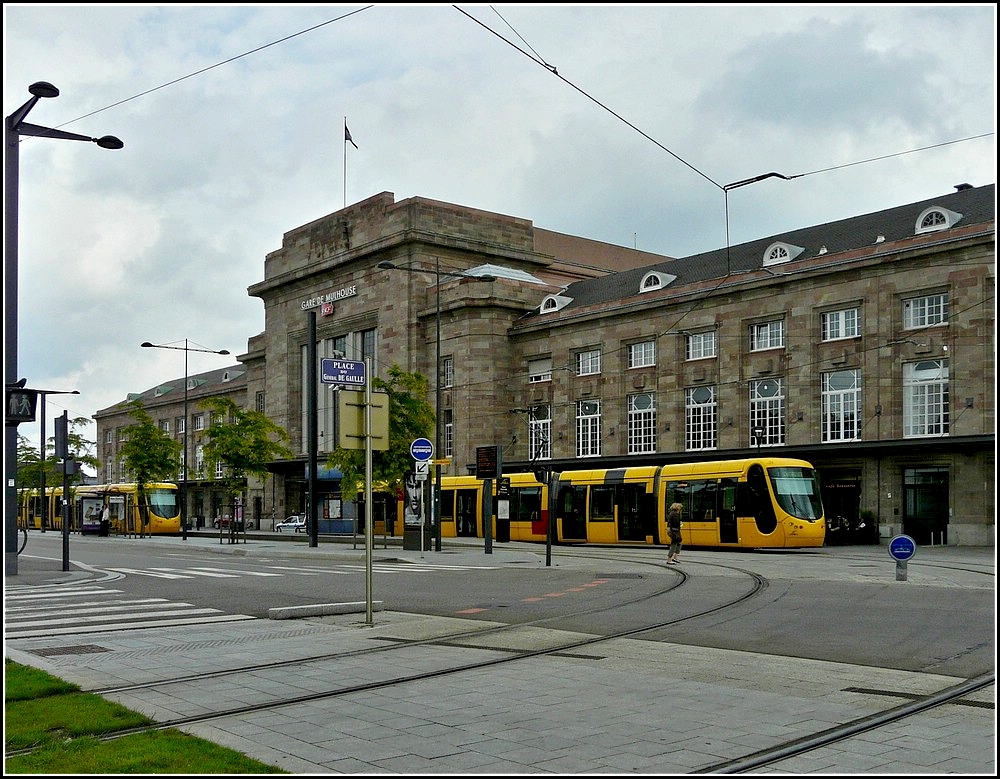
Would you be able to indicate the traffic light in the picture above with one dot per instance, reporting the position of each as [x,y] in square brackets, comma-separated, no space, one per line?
[62,436]
[21,405]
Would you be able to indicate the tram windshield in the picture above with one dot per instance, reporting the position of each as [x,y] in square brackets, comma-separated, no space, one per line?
[797,491]
[163,503]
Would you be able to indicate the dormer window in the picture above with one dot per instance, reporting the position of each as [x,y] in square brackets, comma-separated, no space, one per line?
[554,303]
[780,252]
[935,218]
[160,391]
[655,280]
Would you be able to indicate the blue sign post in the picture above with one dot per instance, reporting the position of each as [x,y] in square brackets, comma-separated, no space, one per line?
[901,549]
[422,450]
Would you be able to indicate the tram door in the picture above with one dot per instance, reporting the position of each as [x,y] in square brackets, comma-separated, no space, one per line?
[635,508]
[727,512]
[572,512]
[466,510]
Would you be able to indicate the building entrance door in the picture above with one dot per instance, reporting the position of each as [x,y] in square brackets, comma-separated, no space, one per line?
[925,505]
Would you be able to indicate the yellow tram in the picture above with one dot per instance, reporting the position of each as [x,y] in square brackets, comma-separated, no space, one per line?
[762,502]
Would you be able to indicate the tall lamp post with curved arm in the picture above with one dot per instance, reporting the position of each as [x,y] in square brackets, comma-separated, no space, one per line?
[438,273]
[15,127]
[184,456]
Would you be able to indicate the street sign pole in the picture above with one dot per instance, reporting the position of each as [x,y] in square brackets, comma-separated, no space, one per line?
[369,510]
[901,549]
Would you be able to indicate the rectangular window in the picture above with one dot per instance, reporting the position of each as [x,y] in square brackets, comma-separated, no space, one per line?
[448,372]
[588,428]
[108,436]
[588,363]
[368,345]
[841,400]
[109,472]
[841,324]
[540,433]
[539,370]
[220,470]
[642,423]
[767,412]
[641,355]
[199,422]
[700,419]
[180,424]
[698,346]
[925,398]
[767,335]
[925,311]
[259,402]
[165,425]
[449,433]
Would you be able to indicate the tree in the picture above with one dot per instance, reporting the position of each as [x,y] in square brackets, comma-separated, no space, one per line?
[150,454]
[245,441]
[29,464]
[411,416]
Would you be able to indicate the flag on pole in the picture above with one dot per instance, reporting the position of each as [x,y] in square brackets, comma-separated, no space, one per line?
[347,136]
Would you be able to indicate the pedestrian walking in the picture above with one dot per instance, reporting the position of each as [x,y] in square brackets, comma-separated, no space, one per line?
[674,529]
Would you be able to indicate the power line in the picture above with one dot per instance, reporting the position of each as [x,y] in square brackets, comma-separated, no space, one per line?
[220,64]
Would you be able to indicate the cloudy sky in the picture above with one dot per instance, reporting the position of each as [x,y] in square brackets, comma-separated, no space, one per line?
[618,123]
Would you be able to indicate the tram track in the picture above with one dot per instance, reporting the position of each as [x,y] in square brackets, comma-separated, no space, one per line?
[773,756]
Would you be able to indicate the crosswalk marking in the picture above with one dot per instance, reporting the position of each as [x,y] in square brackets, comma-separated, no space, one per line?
[35,612]
[344,569]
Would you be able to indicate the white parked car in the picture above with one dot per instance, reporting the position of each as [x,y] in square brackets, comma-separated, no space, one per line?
[296,522]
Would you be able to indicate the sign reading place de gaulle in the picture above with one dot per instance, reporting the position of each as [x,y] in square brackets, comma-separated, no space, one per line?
[333,371]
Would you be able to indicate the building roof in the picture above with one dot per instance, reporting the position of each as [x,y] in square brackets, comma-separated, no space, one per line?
[966,206]
[200,385]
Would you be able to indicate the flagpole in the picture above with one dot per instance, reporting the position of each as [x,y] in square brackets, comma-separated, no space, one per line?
[345,162]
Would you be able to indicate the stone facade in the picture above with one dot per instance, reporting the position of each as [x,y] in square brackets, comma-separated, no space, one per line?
[933,481]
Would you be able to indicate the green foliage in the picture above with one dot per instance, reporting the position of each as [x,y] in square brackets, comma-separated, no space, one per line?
[149,453]
[30,682]
[61,725]
[245,441]
[410,416]
[30,464]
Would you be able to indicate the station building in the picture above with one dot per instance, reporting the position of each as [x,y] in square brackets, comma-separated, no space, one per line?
[865,346]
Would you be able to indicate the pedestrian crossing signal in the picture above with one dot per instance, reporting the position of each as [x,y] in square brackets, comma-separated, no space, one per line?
[21,404]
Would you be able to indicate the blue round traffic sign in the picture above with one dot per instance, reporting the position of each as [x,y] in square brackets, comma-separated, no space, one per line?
[902,548]
[422,450]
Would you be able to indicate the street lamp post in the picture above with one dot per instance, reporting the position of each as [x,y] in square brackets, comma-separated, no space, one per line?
[41,476]
[437,369]
[15,127]
[184,455]
[758,435]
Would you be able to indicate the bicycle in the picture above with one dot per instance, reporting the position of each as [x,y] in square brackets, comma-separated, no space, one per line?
[24,539]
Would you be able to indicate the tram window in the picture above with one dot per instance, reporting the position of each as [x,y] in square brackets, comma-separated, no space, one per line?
[602,503]
[760,496]
[729,497]
[679,492]
[703,501]
[526,503]
[447,504]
